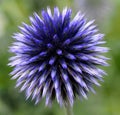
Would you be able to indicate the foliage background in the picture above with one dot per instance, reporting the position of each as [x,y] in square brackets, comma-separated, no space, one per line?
[107,99]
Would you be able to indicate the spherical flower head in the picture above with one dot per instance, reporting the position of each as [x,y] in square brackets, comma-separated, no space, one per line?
[57,57]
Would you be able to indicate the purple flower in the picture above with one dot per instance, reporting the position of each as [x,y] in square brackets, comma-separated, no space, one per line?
[56,57]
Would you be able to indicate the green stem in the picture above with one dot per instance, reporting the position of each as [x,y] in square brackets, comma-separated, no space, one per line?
[69,110]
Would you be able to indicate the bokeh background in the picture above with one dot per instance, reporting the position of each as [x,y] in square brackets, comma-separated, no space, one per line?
[107,99]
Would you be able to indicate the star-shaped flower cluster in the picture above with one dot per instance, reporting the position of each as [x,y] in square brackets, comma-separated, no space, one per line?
[57,57]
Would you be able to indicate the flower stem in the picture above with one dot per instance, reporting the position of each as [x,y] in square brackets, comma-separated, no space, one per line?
[69,110]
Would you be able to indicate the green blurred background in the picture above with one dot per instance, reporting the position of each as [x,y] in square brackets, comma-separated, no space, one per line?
[107,99]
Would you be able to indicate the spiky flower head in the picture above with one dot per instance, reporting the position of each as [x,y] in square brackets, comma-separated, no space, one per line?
[56,57]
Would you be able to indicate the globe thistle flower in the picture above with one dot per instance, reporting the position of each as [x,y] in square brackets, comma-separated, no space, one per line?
[57,57]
